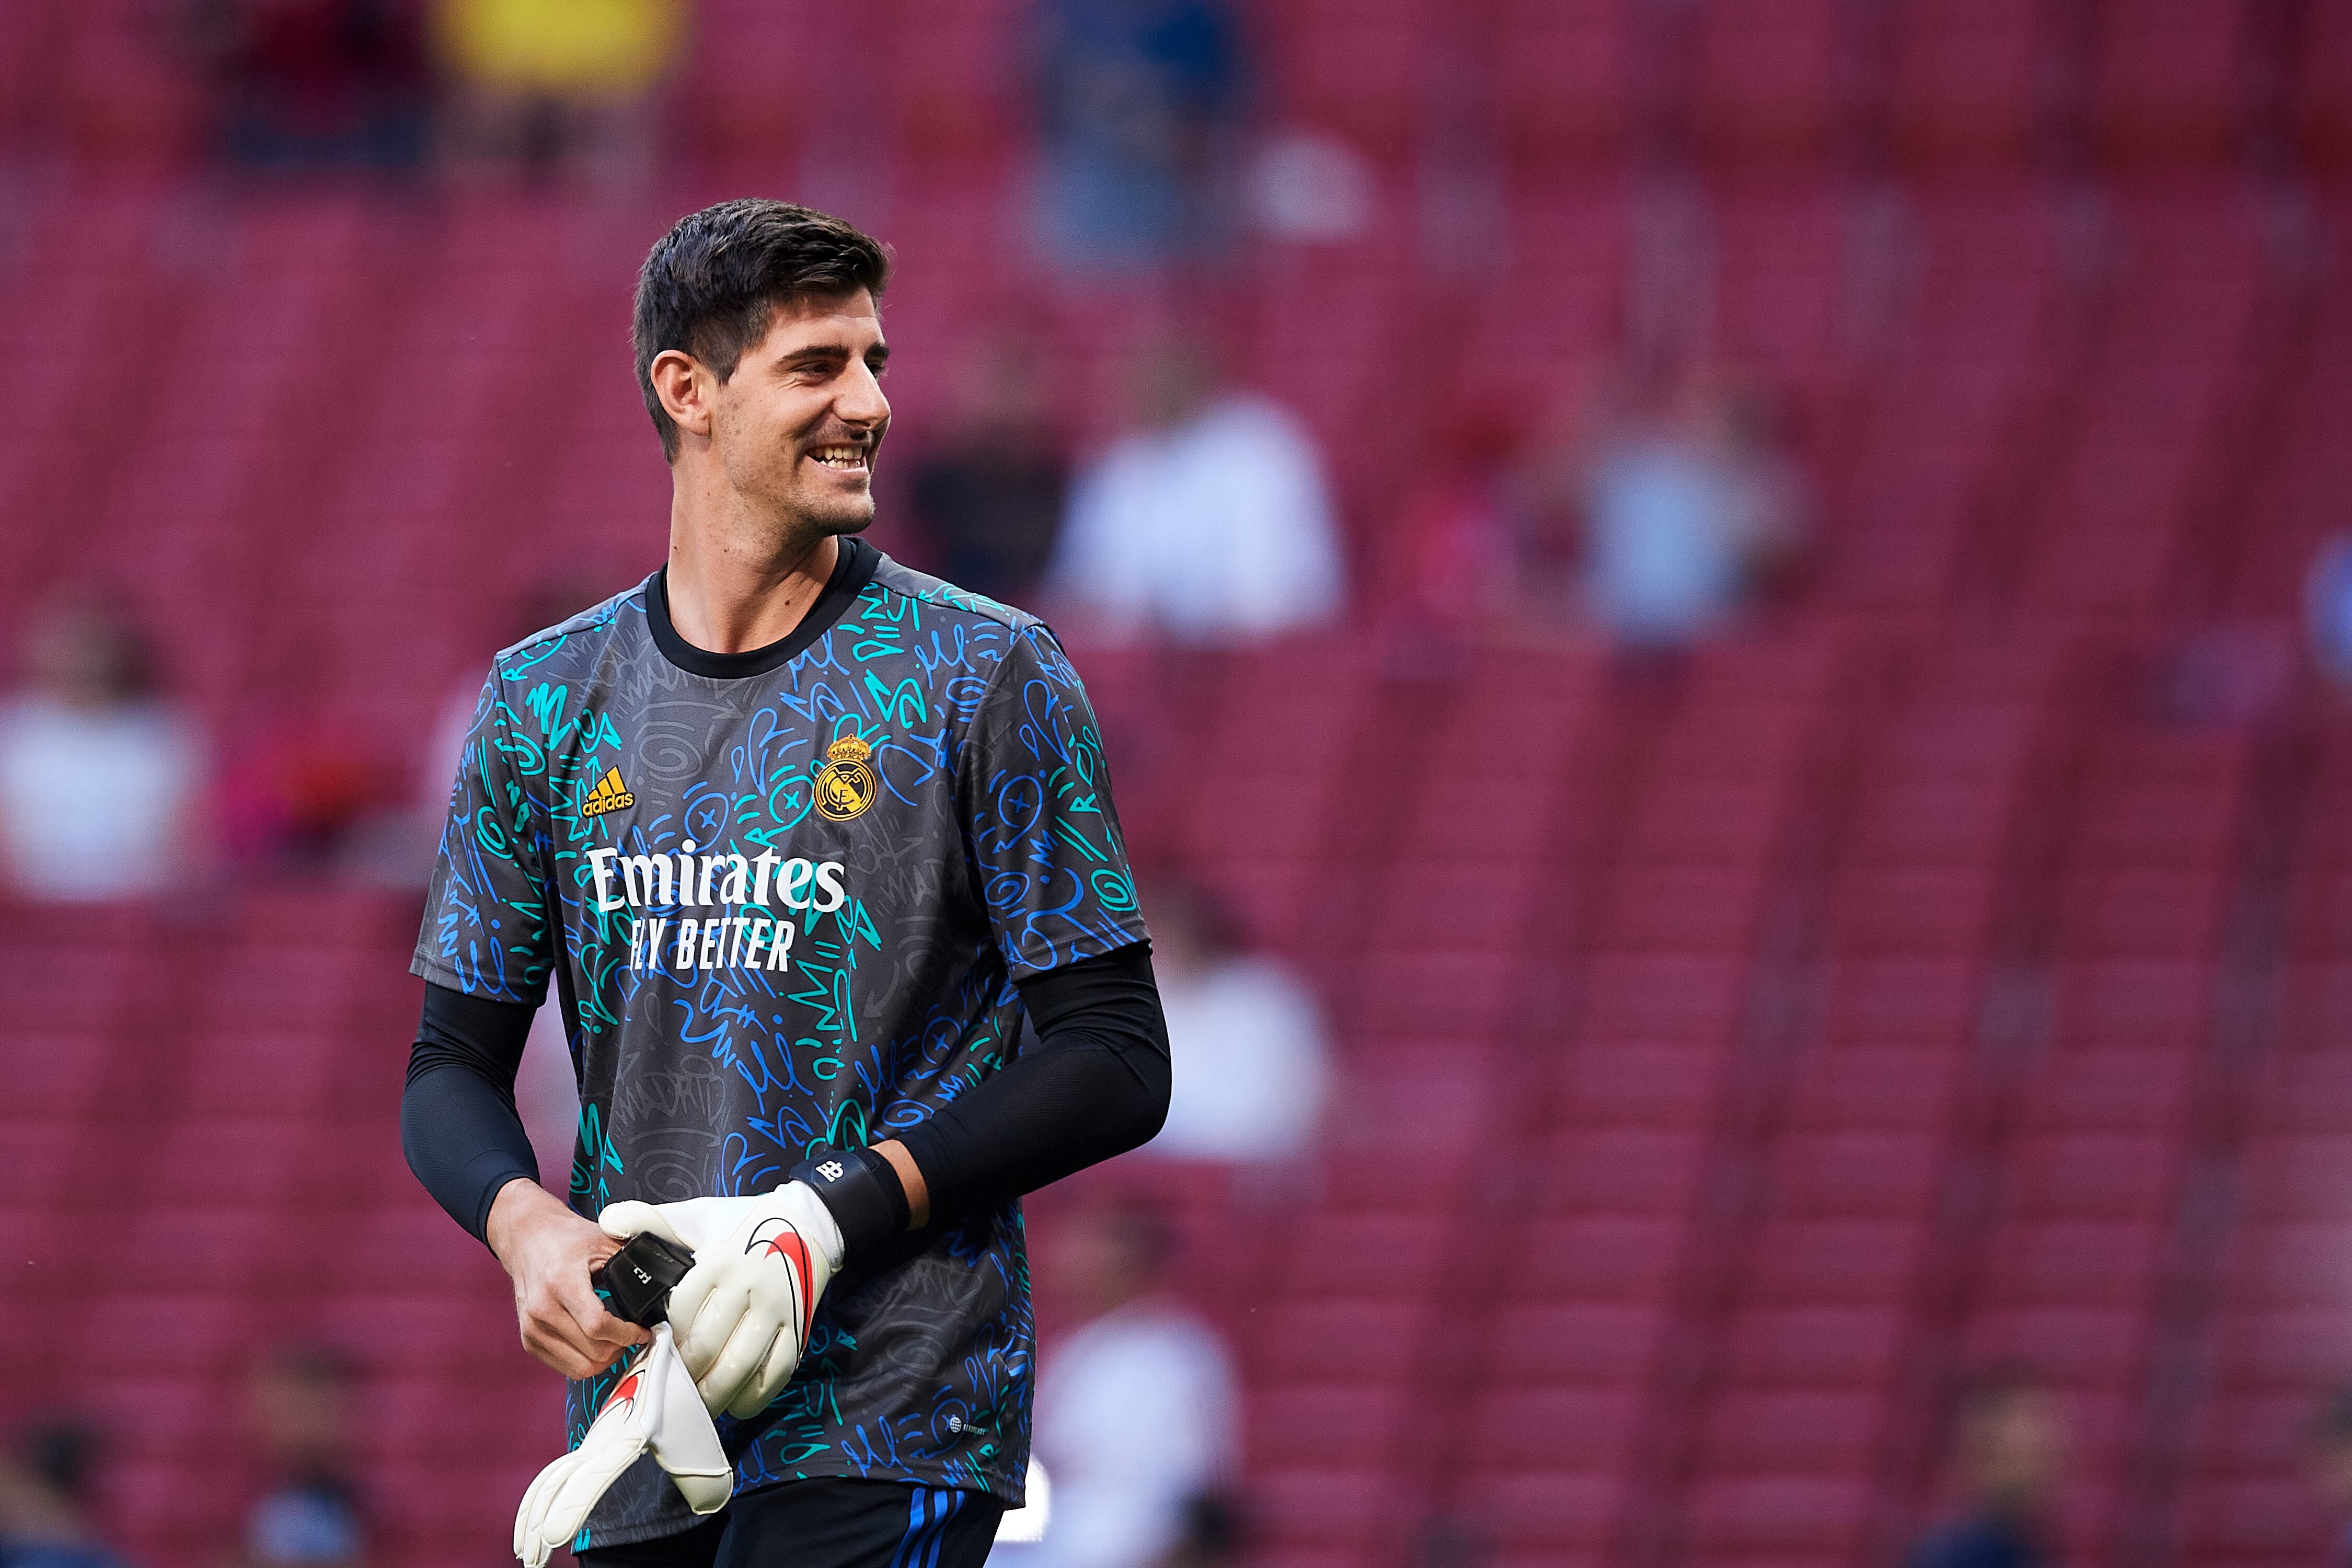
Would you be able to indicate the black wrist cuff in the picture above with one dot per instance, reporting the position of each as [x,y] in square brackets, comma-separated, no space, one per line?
[863,1191]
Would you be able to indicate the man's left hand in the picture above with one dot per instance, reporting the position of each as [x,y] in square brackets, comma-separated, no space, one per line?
[743,1311]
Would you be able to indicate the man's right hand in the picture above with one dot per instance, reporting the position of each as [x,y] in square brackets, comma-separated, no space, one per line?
[549,1253]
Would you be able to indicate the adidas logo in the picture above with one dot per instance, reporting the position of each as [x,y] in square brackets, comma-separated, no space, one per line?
[610,794]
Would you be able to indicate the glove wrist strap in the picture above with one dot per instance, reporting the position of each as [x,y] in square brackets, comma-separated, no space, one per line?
[862,1191]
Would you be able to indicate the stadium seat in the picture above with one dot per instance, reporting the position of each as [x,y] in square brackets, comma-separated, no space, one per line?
[2006,1083]
[1595,1345]
[1855,1263]
[1621,1261]
[1964,80]
[1858,1175]
[1572,1429]
[1827,1347]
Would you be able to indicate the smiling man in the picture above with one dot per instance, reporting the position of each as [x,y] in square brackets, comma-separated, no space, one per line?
[796,835]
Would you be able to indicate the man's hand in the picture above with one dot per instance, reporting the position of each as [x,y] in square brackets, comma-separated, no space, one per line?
[549,1252]
[743,1311]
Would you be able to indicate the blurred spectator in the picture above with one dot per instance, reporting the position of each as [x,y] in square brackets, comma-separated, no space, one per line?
[45,1484]
[988,499]
[301,1404]
[99,776]
[1135,1415]
[1689,509]
[1453,567]
[1245,1037]
[1450,1542]
[1210,522]
[2331,1465]
[1311,188]
[2327,610]
[296,796]
[2008,1444]
[1138,103]
[309,84]
[545,83]
[1210,1534]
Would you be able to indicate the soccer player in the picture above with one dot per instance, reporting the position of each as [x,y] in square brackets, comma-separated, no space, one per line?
[796,835]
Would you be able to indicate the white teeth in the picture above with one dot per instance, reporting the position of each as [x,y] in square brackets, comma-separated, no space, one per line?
[840,457]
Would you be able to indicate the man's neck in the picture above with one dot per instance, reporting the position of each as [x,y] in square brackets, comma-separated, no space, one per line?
[736,588]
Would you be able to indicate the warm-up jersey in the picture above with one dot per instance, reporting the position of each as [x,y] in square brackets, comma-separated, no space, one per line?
[784,899]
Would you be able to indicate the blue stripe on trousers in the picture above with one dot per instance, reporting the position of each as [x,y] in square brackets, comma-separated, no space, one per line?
[928,1512]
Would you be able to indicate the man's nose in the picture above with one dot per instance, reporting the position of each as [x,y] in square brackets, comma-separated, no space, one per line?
[861,401]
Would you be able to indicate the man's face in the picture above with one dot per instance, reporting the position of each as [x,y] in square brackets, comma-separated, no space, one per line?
[2017,1447]
[799,422]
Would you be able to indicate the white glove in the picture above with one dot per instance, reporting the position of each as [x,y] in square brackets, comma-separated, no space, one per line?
[655,1406]
[743,1311]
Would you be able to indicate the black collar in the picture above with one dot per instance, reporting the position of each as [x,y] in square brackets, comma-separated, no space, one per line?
[851,572]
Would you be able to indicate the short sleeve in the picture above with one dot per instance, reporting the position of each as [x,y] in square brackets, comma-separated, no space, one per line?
[1049,860]
[485,929]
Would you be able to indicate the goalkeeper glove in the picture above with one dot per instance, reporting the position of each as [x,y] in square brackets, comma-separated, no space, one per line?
[743,1311]
[654,1406]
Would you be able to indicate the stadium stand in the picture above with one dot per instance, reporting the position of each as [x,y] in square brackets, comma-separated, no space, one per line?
[1907,991]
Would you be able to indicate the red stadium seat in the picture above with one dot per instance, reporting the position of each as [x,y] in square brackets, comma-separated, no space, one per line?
[1787,1518]
[2094,1176]
[1858,1175]
[2170,80]
[1832,1346]
[1329,1426]
[1792,1432]
[2072,1262]
[1586,1343]
[1867,1087]
[1605,1171]
[1567,1428]
[1377,1342]
[1965,75]
[1853,1263]
[1628,1084]
[1623,1261]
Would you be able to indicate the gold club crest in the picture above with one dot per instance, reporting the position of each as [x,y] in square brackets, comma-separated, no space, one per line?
[846,786]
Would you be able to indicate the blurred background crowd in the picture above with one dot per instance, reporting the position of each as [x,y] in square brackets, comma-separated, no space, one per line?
[1723,627]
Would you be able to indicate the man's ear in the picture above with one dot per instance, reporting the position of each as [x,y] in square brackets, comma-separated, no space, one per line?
[684,385]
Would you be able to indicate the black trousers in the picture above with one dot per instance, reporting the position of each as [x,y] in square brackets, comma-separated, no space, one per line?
[825,1522]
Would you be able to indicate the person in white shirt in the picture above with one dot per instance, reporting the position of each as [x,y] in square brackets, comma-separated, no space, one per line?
[1246,1039]
[1209,523]
[1136,1417]
[99,777]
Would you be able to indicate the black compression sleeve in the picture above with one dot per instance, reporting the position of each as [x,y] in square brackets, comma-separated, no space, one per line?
[1095,1085]
[458,1125]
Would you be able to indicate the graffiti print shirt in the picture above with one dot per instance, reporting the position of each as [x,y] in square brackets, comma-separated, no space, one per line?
[784,899]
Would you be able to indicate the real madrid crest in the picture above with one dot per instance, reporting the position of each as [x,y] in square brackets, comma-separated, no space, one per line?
[846,786]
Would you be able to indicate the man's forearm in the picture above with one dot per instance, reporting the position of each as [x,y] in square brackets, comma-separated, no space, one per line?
[458,1126]
[1096,1085]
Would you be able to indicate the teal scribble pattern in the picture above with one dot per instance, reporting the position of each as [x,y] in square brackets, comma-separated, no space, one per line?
[986,849]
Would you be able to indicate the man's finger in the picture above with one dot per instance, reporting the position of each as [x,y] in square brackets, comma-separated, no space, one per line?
[557,1324]
[555,1353]
[597,1328]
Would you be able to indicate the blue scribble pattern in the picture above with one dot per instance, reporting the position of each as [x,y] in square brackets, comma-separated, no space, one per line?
[710,1062]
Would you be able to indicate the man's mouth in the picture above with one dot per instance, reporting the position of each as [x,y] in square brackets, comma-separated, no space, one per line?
[844,458]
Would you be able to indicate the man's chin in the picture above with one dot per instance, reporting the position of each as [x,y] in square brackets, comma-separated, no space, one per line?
[841,514]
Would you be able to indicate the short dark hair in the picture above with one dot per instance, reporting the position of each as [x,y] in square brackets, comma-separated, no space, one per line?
[710,285]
